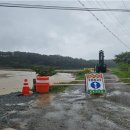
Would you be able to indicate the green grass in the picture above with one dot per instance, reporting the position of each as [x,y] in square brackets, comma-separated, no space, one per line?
[122,74]
[81,75]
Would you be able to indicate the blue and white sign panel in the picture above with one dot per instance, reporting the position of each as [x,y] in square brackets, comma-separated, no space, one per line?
[95,83]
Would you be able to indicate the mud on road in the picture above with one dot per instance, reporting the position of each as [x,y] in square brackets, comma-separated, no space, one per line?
[72,110]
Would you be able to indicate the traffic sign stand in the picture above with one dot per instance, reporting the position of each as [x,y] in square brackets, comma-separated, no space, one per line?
[94,84]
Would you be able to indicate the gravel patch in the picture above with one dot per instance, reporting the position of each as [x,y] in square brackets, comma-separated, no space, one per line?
[10,107]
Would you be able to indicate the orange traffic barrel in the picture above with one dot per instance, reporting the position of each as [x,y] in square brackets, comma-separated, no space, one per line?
[42,84]
[26,89]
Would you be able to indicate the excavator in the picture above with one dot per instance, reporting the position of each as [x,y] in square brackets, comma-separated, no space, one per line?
[101,66]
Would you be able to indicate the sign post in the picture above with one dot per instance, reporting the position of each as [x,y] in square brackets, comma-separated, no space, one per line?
[94,83]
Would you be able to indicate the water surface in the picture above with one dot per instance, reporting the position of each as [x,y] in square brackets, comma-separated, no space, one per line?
[12,81]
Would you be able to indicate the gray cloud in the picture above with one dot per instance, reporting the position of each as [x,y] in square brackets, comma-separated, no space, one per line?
[68,33]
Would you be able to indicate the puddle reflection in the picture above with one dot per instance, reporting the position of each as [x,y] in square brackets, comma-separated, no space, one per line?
[44,99]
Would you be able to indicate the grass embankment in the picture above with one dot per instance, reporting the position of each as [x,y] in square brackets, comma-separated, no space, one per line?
[78,76]
[122,73]
[81,75]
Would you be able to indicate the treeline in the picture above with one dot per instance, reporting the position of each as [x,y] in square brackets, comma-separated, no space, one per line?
[123,68]
[123,61]
[28,60]
[123,58]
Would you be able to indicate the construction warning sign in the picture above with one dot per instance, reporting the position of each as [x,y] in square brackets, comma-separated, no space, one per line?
[94,83]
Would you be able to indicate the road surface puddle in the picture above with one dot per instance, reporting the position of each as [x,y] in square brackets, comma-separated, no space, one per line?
[9,129]
[58,115]
[19,104]
[117,92]
[43,100]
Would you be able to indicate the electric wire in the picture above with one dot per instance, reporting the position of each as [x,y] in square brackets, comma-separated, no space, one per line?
[123,43]
[72,8]
[125,30]
[59,7]
[124,3]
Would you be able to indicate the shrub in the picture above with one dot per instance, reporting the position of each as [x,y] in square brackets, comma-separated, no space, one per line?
[44,71]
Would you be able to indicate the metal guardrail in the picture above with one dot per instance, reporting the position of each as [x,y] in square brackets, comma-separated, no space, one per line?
[84,84]
[71,84]
[107,79]
[104,79]
[117,83]
[67,84]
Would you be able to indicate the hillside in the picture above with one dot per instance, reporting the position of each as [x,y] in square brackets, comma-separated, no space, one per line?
[27,60]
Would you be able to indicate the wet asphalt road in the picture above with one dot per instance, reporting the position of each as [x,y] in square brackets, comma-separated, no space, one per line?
[72,110]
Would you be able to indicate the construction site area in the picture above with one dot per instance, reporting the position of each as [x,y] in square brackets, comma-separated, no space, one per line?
[71,110]
[65,65]
[88,99]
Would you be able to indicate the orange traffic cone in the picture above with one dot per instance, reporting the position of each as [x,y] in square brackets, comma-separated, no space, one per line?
[26,89]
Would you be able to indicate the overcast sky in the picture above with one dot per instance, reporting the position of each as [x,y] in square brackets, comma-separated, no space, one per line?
[68,33]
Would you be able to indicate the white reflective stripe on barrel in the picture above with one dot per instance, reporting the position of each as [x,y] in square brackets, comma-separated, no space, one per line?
[42,81]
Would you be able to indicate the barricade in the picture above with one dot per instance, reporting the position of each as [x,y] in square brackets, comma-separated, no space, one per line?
[42,84]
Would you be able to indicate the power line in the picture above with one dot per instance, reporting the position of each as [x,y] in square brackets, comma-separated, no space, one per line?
[59,7]
[71,8]
[125,30]
[124,4]
[123,43]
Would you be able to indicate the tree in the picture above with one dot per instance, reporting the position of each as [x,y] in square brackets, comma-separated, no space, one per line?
[123,58]
[44,71]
